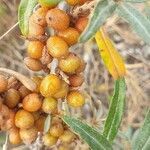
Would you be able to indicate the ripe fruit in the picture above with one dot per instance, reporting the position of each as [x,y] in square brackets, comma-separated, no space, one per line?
[76,2]
[32,102]
[14,136]
[37,81]
[49,105]
[12,98]
[75,99]
[62,91]
[56,130]
[49,3]
[3,83]
[70,35]
[67,136]
[57,19]
[28,135]
[49,140]
[24,119]
[81,24]
[39,124]
[70,64]
[24,91]
[50,85]
[35,49]
[76,80]
[33,64]
[57,47]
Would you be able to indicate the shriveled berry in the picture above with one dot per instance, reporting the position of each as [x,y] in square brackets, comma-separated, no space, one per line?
[57,19]
[70,64]
[32,102]
[75,99]
[49,140]
[12,98]
[49,3]
[24,91]
[49,105]
[28,135]
[50,85]
[39,124]
[3,84]
[76,80]
[70,35]
[56,130]
[33,64]
[35,49]
[62,91]
[24,119]
[14,136]
[81,24]
[57,47]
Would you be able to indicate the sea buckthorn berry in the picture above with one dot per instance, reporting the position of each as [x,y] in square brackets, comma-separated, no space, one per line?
[76,2]
[37,80]
[57,47]
[76,80]
[49,140]
[67,136]
[5,111]
[81,67]
[81,24]
[3,84]
[35,49]
[75,99]
[56,130]
[14,136]
[32,102]
[12,98]
[57,19]
[70,35]
[62,91]
[56,120]
[24,119]
[50,85]
[24,91]
[70,64]
[49,105]
[49,3]
[28,135]
[39,124]
[33,64]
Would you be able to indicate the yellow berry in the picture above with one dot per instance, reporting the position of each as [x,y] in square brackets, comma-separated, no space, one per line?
[75,99]
[49,105]
[57,47]
[24,119]
[50,85]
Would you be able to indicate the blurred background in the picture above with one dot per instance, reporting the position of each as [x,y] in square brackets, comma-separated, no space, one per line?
[98,83]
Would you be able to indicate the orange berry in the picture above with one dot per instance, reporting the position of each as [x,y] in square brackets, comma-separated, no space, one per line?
[50,85]
[49,105]
[62,91]
[49,3]
[24,119]
[24,91]
[81,24]
[75,99]
[57,47]
[33,64]
[49,140]
[39,124]
[70,35]
[32,102]
[28,135]
[76,80]
[12,98]
[3,84]
[67,136]
[76,2]
[37,80]
[57,19]
[56,130]
[70,64]
[14,136]
[35,49]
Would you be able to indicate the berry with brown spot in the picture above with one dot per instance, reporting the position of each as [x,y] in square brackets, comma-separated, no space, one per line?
[76,80]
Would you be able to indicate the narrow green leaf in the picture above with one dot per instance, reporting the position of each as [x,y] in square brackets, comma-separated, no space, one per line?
[94,139]
[142,139]
[47,123]
[24,12]
[116,110]
[139,23]
[102,11]
[136,1]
